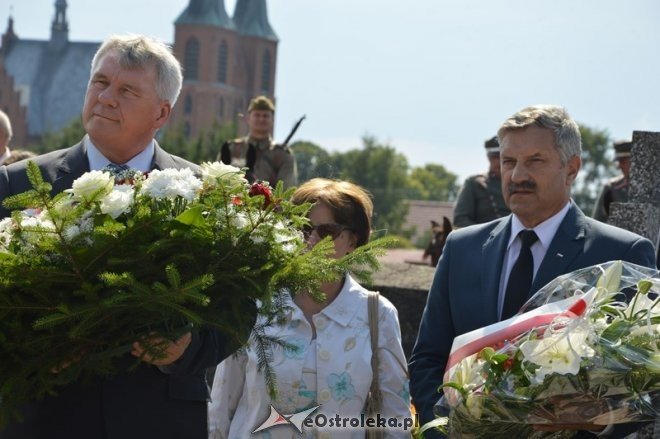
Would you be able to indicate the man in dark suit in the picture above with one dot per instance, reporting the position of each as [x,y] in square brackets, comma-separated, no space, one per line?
[540,158]
[134,83]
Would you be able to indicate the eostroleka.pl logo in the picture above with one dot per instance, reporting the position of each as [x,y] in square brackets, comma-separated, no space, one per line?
[276,418]
[328,422]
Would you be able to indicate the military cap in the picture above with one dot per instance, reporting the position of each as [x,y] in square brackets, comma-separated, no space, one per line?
[492,146]
[261,103]
[622,148]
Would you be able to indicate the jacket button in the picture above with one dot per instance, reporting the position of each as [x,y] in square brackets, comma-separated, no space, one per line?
[324,395]
[320,322]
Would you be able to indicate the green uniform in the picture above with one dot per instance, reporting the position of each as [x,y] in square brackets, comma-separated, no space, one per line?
[479,201]
[264,159]
[615,190]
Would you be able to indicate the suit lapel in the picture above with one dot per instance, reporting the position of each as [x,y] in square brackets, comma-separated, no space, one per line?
[567,244]
[73,164]
[493,252]
[162,160]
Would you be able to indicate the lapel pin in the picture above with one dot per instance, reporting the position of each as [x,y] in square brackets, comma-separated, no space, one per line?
[559,255]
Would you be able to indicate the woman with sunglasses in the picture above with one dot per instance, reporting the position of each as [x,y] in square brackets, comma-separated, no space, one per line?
[330,366]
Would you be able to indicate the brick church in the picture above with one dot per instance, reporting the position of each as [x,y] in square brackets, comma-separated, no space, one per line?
[226,60]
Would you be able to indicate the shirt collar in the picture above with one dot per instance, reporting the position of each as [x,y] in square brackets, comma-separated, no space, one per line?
[141,162]
[545,230]
[5,155]
[346,304]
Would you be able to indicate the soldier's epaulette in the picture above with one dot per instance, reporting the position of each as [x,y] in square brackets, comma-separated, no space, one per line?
[478,177]
[618,182]
[282,147]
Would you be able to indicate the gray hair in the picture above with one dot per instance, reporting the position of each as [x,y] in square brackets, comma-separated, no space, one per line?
[567,132]
[139,51]
[5,125]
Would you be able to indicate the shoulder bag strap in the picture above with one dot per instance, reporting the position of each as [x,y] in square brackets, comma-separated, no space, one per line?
[375,397]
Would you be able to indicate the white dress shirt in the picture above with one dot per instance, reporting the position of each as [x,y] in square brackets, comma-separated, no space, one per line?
[97,161]
[545,231]
[341,355]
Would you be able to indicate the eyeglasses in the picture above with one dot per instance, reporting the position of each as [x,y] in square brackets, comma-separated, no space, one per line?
[324,230]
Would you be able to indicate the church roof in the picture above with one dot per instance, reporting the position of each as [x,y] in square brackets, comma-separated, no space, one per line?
[52,81]
[251,18]
[206,12]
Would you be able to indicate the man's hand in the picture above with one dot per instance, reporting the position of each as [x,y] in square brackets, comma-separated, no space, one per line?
[172,351]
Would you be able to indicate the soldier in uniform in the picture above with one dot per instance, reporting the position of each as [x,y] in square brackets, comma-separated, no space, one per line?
[480,200]
[264,159]
[616,189]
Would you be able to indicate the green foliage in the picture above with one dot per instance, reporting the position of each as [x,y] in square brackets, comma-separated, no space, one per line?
[383,172]
[312,160]
[432,182]
[79,284]
[204,148]
[597,167]
[67,136]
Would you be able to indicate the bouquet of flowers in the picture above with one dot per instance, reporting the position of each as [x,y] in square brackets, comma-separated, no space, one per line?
[585,349]
[120,258]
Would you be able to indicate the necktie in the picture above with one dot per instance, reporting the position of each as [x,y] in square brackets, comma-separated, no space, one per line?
[115,169]
[520,279]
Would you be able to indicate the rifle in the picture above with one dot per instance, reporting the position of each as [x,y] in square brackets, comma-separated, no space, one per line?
[293,131]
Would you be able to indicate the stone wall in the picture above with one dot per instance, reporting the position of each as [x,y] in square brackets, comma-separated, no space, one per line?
[641,214]
[406,286]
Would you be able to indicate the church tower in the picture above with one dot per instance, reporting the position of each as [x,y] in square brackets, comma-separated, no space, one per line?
[59,31]
[226,62]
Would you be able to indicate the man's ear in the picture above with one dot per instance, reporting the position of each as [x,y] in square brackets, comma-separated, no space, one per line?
[574,164]
[164,115]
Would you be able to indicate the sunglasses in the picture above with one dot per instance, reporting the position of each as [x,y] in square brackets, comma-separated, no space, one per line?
[324,230]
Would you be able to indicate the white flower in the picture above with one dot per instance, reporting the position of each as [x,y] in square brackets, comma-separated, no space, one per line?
[560,352]
[91,185]
[6,228]
[642,302]
[172,183]
[227,174]
[84,226]
[118,201]
[34,228]
[240,220]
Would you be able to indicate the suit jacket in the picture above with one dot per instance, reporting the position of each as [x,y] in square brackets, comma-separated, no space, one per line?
[144,403]
[465,289]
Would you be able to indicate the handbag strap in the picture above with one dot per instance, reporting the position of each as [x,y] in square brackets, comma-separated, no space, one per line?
[373,330]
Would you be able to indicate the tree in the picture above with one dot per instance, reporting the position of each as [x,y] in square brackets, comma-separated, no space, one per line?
[432,182]
[596,167]
[383,172]
[204,148]
[312,160]
[64,138]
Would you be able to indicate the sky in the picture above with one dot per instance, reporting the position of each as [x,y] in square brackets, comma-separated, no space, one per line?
[432,78]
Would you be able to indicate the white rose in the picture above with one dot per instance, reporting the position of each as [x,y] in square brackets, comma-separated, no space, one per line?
[91,185]
[219,172]
[118,201]
[172,183]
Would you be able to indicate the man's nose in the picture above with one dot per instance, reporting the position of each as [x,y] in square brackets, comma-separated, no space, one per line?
[107,97]
[519,173]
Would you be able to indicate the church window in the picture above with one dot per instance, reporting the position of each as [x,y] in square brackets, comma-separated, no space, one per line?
[191,61]
[265,72]
[222,62]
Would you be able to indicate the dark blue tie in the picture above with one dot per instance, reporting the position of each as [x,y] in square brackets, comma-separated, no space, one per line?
[520,279]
